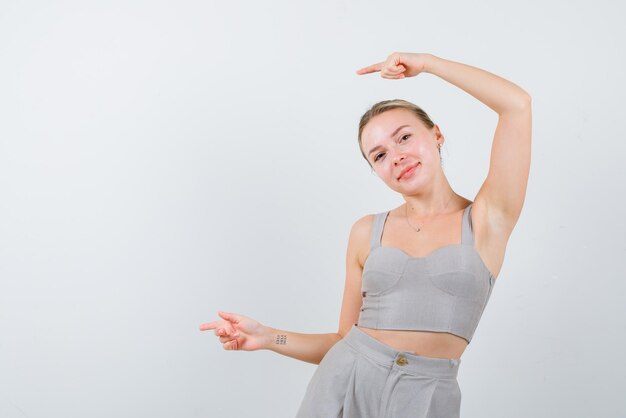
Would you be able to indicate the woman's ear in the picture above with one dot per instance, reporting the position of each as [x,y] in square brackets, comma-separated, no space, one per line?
[438,135]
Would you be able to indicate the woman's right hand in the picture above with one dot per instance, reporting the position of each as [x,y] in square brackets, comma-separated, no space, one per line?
[238,332]
[399,65]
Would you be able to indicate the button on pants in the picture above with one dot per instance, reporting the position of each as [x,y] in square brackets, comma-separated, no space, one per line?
[360,377]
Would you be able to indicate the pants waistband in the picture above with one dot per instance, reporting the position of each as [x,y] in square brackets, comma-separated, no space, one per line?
[369,346]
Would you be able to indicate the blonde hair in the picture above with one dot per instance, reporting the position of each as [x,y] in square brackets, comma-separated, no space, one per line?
[385,106]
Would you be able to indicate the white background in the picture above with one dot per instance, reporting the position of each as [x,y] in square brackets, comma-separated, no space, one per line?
[160,161]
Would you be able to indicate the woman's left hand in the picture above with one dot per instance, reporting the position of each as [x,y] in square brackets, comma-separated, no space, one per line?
[399,65]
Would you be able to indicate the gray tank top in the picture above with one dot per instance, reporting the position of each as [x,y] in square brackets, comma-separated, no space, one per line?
[445,291]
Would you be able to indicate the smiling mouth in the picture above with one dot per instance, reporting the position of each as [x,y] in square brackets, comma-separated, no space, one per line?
[409,172]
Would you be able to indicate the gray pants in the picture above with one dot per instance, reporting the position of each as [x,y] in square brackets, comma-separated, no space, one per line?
[360,377]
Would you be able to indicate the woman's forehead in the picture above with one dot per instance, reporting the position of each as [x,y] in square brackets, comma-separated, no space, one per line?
[382,127]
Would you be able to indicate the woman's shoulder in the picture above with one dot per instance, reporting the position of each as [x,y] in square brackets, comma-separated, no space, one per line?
[360,236]
[362,227]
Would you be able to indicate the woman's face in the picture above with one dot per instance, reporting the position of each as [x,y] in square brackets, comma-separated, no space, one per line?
[397,140]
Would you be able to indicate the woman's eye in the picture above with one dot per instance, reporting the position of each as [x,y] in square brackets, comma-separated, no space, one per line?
[401,138]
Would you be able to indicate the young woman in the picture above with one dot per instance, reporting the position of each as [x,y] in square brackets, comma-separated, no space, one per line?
[418,276]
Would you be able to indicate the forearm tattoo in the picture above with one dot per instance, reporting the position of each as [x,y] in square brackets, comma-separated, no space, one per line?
[281,339]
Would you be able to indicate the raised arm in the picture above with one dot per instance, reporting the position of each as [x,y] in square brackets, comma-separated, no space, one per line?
[504,190]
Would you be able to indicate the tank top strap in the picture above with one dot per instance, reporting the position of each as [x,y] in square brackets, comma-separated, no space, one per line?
[377,229]
[467,236]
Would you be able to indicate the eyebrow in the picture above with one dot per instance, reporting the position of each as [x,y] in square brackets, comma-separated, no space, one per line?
[391,136]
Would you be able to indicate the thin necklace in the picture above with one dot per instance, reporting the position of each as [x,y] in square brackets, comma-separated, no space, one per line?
[406,207]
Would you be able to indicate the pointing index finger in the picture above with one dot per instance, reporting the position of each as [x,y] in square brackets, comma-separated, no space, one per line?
[371,69]
[209,325]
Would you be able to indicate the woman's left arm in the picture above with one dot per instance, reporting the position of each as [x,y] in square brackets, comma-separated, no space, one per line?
[504,190]
[499,94]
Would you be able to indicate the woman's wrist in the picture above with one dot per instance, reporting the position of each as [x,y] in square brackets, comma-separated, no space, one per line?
[429,62]
[269,337]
